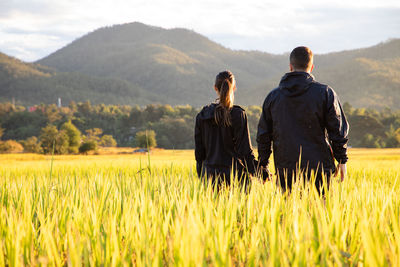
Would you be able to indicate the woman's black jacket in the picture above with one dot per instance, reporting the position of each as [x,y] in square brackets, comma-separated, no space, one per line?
[223,147]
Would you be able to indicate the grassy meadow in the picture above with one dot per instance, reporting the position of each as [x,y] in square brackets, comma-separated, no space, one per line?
[133,209]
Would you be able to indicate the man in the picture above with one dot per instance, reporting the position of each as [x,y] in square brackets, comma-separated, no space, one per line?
[305,122]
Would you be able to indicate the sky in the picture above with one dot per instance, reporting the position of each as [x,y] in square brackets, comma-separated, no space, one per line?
[33,29]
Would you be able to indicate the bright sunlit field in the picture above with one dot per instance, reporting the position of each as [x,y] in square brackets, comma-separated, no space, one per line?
[135,209]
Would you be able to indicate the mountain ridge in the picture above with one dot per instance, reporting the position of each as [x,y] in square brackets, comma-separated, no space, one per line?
[178,66]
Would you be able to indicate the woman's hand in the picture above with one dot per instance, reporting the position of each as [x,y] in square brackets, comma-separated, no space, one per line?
[342,169]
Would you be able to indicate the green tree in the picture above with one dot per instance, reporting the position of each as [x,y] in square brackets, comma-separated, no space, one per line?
[146,139]
[348,109]
[87,146]
[174,132]
[107,141]
[74,136]
[32,145]
[393,137]
[362,125]
[93,134]
[85,107]
[52,112]
[49,135]
[370,141]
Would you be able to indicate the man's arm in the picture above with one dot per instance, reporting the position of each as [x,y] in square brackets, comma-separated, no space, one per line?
[337,128]
[199,151]
[264,135]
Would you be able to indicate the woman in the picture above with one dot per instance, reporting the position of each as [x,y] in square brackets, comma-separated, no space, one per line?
[222,136]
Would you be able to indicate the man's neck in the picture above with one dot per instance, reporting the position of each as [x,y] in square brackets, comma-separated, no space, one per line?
[297,70]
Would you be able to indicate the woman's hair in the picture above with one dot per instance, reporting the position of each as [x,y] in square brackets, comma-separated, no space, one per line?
[224,82]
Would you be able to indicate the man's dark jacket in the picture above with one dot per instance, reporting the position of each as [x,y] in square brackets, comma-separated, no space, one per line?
[304,121]
[219,147]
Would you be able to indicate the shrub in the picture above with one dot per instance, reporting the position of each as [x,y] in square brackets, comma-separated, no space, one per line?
[74,137]
[87,146]
[49,135]
[107,141]
[146,139]
[11,146]
[32,145]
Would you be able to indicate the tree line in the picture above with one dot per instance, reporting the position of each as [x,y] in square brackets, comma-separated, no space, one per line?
[81,127]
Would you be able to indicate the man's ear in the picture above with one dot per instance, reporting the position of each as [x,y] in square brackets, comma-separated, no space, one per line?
[312,67]
[291,67]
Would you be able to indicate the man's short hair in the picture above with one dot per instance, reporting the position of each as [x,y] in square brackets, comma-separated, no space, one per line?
[301,58]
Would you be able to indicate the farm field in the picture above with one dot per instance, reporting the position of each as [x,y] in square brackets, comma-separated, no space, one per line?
[119,208]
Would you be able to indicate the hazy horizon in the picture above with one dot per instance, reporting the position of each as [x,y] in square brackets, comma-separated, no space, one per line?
[234,49]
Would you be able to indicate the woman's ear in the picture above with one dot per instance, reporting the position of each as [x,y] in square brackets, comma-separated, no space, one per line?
[215,88]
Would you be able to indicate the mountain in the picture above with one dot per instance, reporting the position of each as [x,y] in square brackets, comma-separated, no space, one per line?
[33,84]
[138,64]
[177,64]
[368,77]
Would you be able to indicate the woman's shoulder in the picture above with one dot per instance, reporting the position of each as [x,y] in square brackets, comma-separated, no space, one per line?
[207,111]
[238,112]
[209,106]
[238,109]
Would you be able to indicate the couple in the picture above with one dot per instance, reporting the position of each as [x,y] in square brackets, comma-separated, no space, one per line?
[301,119]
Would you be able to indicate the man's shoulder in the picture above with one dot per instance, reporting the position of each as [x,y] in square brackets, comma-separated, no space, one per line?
[321,89]
[273,92]
[271,95]
[320,86]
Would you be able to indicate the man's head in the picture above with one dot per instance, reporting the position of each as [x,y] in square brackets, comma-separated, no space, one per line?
[301,59]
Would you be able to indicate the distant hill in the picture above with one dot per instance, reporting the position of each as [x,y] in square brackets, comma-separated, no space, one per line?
[138,64]
[368,77]
[32,84]
[178,64]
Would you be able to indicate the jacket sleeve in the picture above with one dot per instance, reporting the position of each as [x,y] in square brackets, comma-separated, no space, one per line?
[264,135]
[200,153]
[242,143]
[337,127]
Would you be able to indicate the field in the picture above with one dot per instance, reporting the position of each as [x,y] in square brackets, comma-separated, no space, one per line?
[131,209]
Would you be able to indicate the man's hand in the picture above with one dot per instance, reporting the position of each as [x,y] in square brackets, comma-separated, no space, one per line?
[342,169]
[266,175]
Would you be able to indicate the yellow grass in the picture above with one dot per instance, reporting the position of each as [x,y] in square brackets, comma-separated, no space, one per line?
[119,208]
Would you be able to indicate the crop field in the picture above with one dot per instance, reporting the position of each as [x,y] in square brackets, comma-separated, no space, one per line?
[139,209]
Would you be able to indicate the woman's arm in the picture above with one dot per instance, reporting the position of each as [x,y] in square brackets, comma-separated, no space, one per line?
[200,153]
[242,142]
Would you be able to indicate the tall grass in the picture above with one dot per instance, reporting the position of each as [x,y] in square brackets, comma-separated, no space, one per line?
[112,211]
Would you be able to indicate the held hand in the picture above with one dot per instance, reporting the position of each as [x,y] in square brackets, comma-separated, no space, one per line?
[342,169]
[266,175]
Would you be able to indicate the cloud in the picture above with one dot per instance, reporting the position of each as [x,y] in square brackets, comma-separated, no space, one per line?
[31,29]
[324,30]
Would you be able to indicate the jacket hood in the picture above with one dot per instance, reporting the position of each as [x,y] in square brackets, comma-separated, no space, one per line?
[295,83]
[207,112]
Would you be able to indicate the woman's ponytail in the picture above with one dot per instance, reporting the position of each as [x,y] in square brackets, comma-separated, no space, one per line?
[224,83]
